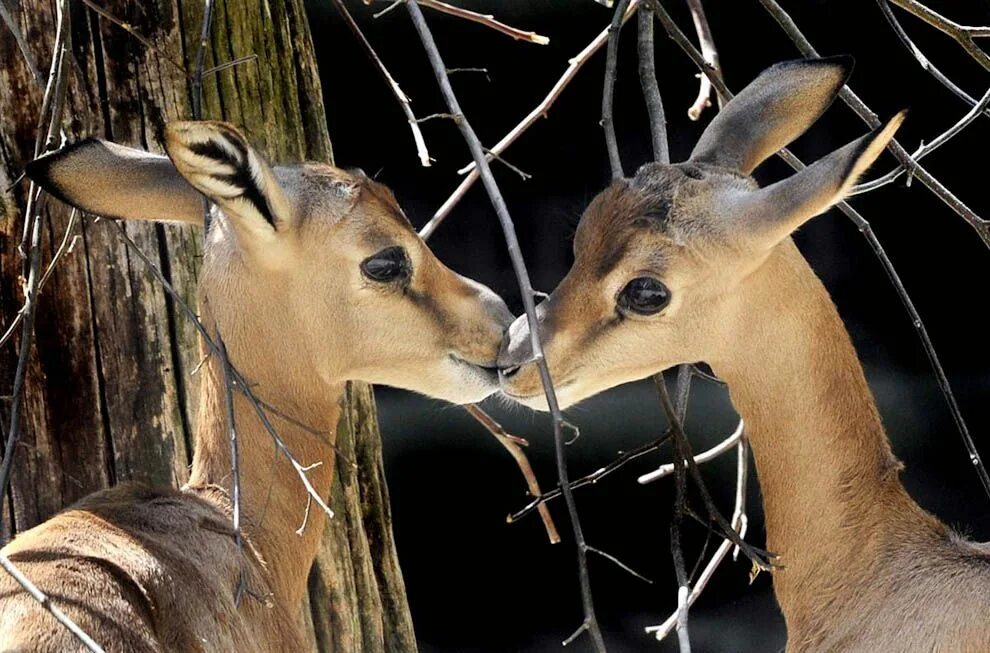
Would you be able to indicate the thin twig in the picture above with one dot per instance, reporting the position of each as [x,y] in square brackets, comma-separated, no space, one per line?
[590,622]
[591,478]
[680,507]
[608,91]
[722,447]
[618,563]
[64,246]
[651,90]
[486,20]
[708,53]
[46,602]
[867,230]
[230,64]
[739,523]
[52,104]
[512,445]
[235,468]
[962,34]
[927,148]
[483,71]
[127,27]
[522,175]
[196,81]
[471,170]
[759,557]
[402,98]
[925,63]
[15,29]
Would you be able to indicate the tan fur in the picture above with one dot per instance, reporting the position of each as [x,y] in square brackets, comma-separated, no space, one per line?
[145,569]
[861,566]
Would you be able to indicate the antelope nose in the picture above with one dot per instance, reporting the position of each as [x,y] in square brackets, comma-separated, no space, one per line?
[516,349]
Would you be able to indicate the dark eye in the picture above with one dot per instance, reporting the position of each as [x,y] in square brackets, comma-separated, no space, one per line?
[387,265]
[644,295]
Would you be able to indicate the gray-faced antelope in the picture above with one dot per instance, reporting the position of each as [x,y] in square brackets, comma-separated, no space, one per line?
[694,262]
[314,277]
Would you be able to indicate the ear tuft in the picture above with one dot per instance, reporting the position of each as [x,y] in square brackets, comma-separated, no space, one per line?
[870,147]
[217,160]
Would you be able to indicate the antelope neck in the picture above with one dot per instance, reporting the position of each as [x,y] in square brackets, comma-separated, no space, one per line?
[829,481]
[274,501]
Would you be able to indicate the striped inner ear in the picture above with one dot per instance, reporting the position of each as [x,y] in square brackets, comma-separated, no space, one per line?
[217,160]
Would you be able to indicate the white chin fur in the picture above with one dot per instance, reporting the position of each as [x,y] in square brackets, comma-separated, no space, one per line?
[466,384]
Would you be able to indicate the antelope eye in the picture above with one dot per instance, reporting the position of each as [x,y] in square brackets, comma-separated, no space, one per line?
[387,265]
[644,295]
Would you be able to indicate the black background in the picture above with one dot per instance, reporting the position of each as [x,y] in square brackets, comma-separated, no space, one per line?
[478,584]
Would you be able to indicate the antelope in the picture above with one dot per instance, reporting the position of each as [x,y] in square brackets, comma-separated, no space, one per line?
[694,262]
[312,276]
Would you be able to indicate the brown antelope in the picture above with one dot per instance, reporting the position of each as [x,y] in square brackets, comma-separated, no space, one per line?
[693,262]
[313,277]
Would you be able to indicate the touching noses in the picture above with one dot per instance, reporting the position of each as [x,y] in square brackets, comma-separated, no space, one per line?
[517,345]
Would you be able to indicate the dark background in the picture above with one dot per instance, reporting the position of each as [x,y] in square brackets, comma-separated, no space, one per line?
[478,584]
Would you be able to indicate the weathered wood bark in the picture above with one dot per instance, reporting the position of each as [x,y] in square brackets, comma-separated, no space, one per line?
[111,387]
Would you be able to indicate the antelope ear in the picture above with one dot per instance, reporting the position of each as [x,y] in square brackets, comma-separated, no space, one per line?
[777,210]
[218,161]
[776,108]
[117,182]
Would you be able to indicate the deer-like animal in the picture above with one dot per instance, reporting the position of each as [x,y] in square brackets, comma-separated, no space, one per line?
[694,262]
[312,276]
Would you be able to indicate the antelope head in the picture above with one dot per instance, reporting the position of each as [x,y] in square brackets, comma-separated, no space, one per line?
[308,268]
[662,260]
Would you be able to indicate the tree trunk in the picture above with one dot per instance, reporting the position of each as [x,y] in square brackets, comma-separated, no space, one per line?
[110,391]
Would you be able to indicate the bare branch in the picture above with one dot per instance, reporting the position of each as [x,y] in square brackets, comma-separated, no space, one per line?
[962,34]
[197,76]
[920,56]
[235,468]
[611,62]
[591,478]
[230,64]
[52,105]
[708,53]
[981,226]
[703,457]
[46,602]
[926,149]
[8,20]
[512,445]
[574,65]
[402,98]
[127,27]
[675,417]
[739,523]
[486,20]
[618,563]
[64,247]
[651,90]
[759,557]
[526,290]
